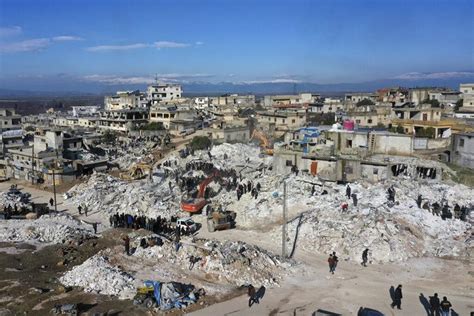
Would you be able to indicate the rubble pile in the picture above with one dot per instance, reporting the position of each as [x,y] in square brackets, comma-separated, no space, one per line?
[107,195]
[97,275]
[391,233]
[225,263]
[13,199]
[51,229]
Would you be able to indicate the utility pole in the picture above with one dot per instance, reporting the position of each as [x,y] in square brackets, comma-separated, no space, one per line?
[54,191]
[283,233]
[33,162]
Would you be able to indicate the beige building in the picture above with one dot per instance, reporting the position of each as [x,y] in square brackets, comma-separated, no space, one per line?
[271,100]
[9,120]
[124,100]
[122,120]
[282,120]
[167,115]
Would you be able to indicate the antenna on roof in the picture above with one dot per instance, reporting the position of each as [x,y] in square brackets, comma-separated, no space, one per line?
[156,78]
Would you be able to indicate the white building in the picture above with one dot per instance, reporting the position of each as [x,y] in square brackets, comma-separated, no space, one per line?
[467,90]
[271,100]
[85,110]
[123,120]
[164,93]
[124,100]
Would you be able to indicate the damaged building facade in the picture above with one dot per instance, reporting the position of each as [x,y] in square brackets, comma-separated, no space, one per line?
[351,156]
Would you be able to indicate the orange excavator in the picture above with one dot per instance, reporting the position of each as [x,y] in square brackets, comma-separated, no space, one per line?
[265,145]
[195,205]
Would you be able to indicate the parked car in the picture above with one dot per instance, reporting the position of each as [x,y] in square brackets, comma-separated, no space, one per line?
[188,224]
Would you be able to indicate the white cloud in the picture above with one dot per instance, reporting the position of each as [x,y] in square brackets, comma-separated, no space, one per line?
[25,46]
[271,81]
[65,38]
[106,48]
[10,31]
[170,77]
[158,45]
[434,75]
[199,43]
[166,44]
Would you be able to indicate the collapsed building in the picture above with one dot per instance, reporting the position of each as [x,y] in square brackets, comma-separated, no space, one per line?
[338,155]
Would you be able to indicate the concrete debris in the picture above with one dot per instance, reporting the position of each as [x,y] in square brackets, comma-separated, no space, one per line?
[391,233]
[48,229]
[225,263]
[97,275]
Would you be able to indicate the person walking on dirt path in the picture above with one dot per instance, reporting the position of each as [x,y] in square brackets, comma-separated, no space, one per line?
[251,293]
[434,305]
[94,226]
[126,243]
[51,202]
[397,297]
[348,192]
[331,263]
[445,306]
[85,210]
[79,208]
[365,255]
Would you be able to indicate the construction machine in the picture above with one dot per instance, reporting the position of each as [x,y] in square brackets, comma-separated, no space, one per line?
[221,220]
[137,171]
[195,205]
[265,144]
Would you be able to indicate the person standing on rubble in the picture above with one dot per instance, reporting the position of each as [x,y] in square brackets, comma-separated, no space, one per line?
[365,255]
[85,210]
[419,200]
[332,263]
[79,208]
[348,192]
[51,202]
[354,199]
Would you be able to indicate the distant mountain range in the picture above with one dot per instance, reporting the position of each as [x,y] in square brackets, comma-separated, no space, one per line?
[208,88]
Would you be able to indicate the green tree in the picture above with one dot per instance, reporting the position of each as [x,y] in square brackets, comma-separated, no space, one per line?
[153,126]
[426,132]
[109,137]
[434,103]
[458,105]
[400,129]
[200,143]
[365,102]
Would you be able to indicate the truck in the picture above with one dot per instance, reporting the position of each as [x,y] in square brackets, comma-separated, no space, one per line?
[221,220]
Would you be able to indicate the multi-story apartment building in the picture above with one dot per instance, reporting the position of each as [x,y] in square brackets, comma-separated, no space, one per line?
[9,120]
[125,100]
[164,93]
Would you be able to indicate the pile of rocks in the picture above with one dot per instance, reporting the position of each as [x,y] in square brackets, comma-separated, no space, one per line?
[51,229]
[97,275]
[223,263]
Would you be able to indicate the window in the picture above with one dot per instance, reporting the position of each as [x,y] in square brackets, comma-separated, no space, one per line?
[289,163]
[283,121]
[358,121]
[461,142]
[376,171]
[369,121]
[349,143]
[293,121]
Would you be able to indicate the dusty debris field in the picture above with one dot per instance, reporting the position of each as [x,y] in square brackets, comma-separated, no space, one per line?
[408,244]
[29,279]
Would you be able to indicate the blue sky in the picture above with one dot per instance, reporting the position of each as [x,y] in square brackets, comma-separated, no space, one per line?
[237,41]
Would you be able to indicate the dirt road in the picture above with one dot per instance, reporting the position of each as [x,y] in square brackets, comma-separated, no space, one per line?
[352,286]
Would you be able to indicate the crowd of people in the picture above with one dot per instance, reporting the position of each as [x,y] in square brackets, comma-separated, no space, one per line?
[158,225]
